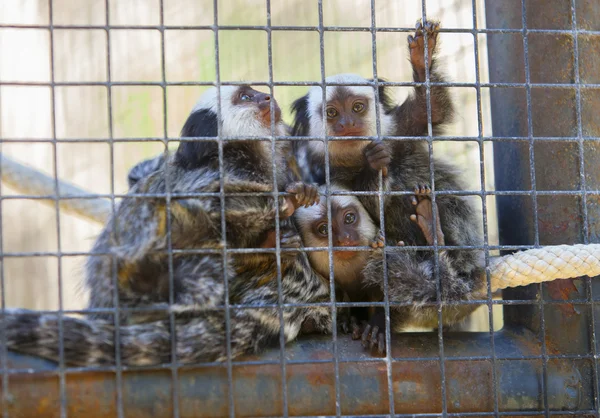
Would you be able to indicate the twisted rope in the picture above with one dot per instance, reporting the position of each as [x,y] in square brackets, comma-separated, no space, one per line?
[544,265]
[29,181]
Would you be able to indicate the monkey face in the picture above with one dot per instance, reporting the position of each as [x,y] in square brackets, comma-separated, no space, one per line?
[345,227]
[248,97]
[350,225]
[350,110]
[346,112]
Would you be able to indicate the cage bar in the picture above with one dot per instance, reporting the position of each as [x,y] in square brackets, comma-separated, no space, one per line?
[544,361]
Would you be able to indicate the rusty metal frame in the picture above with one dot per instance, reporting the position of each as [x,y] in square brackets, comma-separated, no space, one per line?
[544,361]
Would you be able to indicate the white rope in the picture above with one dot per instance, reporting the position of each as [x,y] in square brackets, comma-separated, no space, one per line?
[29,181]
[544,265]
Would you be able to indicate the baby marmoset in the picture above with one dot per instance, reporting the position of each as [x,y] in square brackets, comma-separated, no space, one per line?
[139,267]
[411,272]
[351,227]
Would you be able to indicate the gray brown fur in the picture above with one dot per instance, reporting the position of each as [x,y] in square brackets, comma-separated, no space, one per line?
[136,239]
[412,277]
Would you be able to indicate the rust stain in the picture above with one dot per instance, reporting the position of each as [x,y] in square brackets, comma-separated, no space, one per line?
[554,226]
[366,380]
[317,395]
[562,290]
[417,387]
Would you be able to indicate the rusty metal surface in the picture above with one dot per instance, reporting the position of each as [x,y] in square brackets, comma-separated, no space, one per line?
[553,165]
[527,164]
[203,391]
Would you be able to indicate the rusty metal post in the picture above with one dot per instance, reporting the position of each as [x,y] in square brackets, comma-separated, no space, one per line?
[545,121]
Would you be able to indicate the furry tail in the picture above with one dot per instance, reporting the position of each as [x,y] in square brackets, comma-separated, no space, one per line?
[87,342]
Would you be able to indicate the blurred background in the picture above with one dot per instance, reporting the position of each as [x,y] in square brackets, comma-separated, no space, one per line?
[133,53]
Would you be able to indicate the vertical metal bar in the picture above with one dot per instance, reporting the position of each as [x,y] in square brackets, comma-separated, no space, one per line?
[486,249]
[280,300]
[61,341]
[116,301]
[544,381]
[436,252]
[567,333]
[388,337]
[584,208]
[172,323]
[4,349]
[336,365]
[222,199]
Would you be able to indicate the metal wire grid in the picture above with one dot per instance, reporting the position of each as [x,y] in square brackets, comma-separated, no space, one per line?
[483,193]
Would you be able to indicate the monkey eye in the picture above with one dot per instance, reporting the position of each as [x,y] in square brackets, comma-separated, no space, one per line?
[331,112]
[350,218]
[358,107]
[322,229]
[245,97]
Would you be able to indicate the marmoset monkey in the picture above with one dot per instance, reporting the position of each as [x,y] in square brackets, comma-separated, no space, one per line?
[355,164]
[137,266]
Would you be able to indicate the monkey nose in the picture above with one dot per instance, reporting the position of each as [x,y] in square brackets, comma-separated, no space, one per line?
[345,241]
[263,98]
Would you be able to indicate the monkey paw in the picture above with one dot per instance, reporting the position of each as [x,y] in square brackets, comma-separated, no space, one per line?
[424,214]
[421,191]
[373,335]
[303,194]
[309,326]
[378,241]
[349,325]
[290,239]
[378,156]
[416,45]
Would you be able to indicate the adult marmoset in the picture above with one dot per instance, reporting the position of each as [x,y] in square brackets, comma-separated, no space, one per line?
[144,264]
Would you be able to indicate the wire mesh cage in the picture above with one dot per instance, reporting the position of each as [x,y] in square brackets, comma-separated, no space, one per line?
[90,89]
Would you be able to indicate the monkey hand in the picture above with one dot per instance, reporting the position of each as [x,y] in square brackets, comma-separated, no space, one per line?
[378,241]
[373,335]
[378,156]
[423,216]
[289,239]
[318,321]
[348,323]
[416,45]
[303,194]
[309,326]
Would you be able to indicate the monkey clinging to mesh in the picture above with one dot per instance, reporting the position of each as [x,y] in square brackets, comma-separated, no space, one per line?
[138,269]
[355,164]
[352,110]
[411,273]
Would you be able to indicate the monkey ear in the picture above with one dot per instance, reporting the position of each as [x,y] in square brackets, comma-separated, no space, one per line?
[143,169]
[301,124]
[192,154]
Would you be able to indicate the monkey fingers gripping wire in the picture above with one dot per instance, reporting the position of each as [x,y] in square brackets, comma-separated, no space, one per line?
[519,269]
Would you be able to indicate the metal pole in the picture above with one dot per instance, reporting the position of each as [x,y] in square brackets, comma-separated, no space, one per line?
[542,52]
